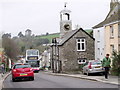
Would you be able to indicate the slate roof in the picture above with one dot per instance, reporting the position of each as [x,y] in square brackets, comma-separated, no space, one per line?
[67,36]
[70,34]
[112,18]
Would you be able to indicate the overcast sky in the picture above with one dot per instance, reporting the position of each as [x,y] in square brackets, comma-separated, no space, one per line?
[43,16]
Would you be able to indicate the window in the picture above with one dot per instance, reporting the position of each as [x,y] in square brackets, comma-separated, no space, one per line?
[81,45]
[81,60]
[98,35]
[118,30]
[119,47]
[112,48]
[111,31]
[98,54]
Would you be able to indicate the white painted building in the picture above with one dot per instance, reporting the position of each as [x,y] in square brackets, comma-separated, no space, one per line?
[45,59]
[106,37]
[98,34]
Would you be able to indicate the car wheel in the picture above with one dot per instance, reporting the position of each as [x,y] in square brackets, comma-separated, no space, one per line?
[84,73]
[32,79]
[13,80]
[102,73]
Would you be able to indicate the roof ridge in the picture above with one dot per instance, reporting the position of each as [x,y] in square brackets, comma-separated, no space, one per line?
[113,17]
[69,35]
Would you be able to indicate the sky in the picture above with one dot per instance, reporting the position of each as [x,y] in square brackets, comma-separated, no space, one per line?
[43,16]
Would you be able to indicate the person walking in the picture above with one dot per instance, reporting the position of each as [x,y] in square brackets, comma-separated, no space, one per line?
[106,65]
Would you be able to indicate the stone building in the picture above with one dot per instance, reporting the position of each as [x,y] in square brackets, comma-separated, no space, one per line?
[73,46]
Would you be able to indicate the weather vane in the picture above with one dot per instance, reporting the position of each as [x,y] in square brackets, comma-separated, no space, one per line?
[65,4]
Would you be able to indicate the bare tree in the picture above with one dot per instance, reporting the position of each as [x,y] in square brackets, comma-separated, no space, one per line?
[10,47]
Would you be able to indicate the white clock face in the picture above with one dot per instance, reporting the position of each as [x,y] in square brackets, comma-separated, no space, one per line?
[67,27]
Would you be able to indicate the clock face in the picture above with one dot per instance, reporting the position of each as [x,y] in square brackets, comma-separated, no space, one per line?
[67,27]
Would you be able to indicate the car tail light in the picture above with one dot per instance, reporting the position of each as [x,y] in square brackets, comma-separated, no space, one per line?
[90,66]
[14,70]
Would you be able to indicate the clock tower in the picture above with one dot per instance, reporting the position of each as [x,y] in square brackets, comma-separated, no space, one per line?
[65,21]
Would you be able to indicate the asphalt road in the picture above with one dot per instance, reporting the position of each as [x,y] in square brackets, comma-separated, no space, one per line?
[43,80]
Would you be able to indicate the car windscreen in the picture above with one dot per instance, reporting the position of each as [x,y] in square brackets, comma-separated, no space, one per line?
[96,63]
[22,66]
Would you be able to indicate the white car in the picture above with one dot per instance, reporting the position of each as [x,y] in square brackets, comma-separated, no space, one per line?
[93,66]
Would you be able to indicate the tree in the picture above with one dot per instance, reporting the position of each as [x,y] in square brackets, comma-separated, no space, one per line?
[7,35]
[22,48]
[116,63]
[10,47]
[25,43]
[41,41]
[47,33]
[20,34]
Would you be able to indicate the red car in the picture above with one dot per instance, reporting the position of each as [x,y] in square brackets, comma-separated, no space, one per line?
[22,71]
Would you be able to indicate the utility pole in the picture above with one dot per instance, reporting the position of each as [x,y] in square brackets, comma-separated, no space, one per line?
[56,63]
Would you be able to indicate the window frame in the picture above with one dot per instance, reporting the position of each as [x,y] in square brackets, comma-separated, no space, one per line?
[112,48]
[81,43]
[111,31]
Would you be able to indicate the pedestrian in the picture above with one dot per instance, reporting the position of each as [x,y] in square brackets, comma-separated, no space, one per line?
[3,69]
[106,65]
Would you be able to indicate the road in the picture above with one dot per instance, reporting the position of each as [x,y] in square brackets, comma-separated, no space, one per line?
[43,80]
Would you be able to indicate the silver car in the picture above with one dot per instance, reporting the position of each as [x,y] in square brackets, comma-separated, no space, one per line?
[93,66]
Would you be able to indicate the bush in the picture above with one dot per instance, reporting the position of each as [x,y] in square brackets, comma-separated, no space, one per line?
[81,66]
[115,70]
[7,69]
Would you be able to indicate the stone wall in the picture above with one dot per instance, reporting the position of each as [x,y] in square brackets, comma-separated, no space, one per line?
[69,54]
[119,37]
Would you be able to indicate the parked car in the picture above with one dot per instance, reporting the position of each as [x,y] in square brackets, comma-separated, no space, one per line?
[22,71]
[93,66]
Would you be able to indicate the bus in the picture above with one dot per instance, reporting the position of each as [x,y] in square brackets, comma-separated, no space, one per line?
[32,57]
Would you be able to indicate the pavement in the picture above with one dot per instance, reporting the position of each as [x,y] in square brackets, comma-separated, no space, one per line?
[111,80]
[2,78]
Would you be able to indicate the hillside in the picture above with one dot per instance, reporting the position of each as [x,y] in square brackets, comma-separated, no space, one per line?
[54,35]
[49,36]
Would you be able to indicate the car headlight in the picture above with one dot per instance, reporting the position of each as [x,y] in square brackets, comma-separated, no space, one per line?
[14,70]
[31,69]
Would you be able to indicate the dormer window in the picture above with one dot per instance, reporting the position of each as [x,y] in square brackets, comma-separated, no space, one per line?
[111,31]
